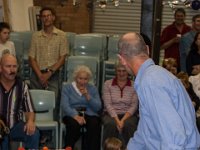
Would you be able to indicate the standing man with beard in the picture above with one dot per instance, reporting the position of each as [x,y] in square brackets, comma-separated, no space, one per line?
[167,116]
[15,101]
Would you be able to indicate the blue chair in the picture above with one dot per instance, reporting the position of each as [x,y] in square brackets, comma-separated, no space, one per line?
[19,49]
[44,104]
[73,61]
[88,45]
[70,38]
[113,47]
[104,38]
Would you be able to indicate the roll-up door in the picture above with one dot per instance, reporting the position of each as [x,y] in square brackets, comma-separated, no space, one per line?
[117,20]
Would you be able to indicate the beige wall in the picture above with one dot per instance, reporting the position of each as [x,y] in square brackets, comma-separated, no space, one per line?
[19,18]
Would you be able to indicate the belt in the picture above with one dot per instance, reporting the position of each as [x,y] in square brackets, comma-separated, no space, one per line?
[48,70]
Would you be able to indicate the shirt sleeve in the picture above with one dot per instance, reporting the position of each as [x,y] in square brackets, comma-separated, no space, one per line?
[107,100]
[183,46]
[171,127]
[32,50]
[64,46]
[65,104]
[94,102]
[27,101]
[134,103]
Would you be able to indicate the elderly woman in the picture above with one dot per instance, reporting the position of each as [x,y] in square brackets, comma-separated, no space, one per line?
[121,105]
[80,104]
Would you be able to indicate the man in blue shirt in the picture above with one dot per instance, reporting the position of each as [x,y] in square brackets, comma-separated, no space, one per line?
[186,41]
[167,116]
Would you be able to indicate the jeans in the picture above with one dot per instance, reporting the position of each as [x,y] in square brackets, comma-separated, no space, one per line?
[17,134]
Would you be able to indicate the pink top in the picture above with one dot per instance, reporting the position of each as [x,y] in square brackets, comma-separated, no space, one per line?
[119,100]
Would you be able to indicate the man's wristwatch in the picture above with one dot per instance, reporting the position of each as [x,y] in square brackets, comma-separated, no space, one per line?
[51,70]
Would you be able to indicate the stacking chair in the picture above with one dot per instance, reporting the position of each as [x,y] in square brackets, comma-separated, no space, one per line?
[73,61]
[15,36]
[62,129]
[44,104]
[26,37]
[19,49]
[113,47]
[109,65]
[104,39]
[88,45]
[70,38]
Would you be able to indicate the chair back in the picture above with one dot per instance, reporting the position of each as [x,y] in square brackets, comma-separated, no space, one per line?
[88,45]
[44,104]
[113,47]
[74,61]
[70,39]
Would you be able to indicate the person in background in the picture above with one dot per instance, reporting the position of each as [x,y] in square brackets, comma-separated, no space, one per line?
[47,53]
[6,46]
[167,116]
[15,102]
[112,143]
[188,86]
[195,99]
[186,41]
[148,42]
[171,35]
[120,106]
[193,58]
[170,64]
[80,104]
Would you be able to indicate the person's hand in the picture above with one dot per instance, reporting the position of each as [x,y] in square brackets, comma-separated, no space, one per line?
[84,91]
[196,69]
[176,39]
[80,119]
[29,128]
[119,125]
[44,77]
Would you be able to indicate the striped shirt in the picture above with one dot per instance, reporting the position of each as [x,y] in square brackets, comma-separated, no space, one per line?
[14,103]
[119,100]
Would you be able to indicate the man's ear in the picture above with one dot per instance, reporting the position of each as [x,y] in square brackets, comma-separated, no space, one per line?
[147,49]
[122,60]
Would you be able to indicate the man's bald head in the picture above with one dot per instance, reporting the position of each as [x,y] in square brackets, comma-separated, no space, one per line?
[8,57]
[132,44]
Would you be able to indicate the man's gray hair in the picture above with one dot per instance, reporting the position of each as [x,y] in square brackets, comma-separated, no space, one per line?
[132,44]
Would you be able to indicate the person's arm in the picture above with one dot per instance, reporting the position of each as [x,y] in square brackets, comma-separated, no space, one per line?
[63,52]
[161,104]
[29,127]
[94,99]
[59,63]
[65,101]
[33,63]
[134,103]
[107,99]
[183,49]
[169,43]
[165,41]
[28,109]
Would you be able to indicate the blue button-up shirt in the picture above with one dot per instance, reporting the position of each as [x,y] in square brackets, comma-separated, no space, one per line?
[167,116]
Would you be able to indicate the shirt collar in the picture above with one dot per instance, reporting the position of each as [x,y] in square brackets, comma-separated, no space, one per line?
[141,71]
[114,82]
[55,31]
